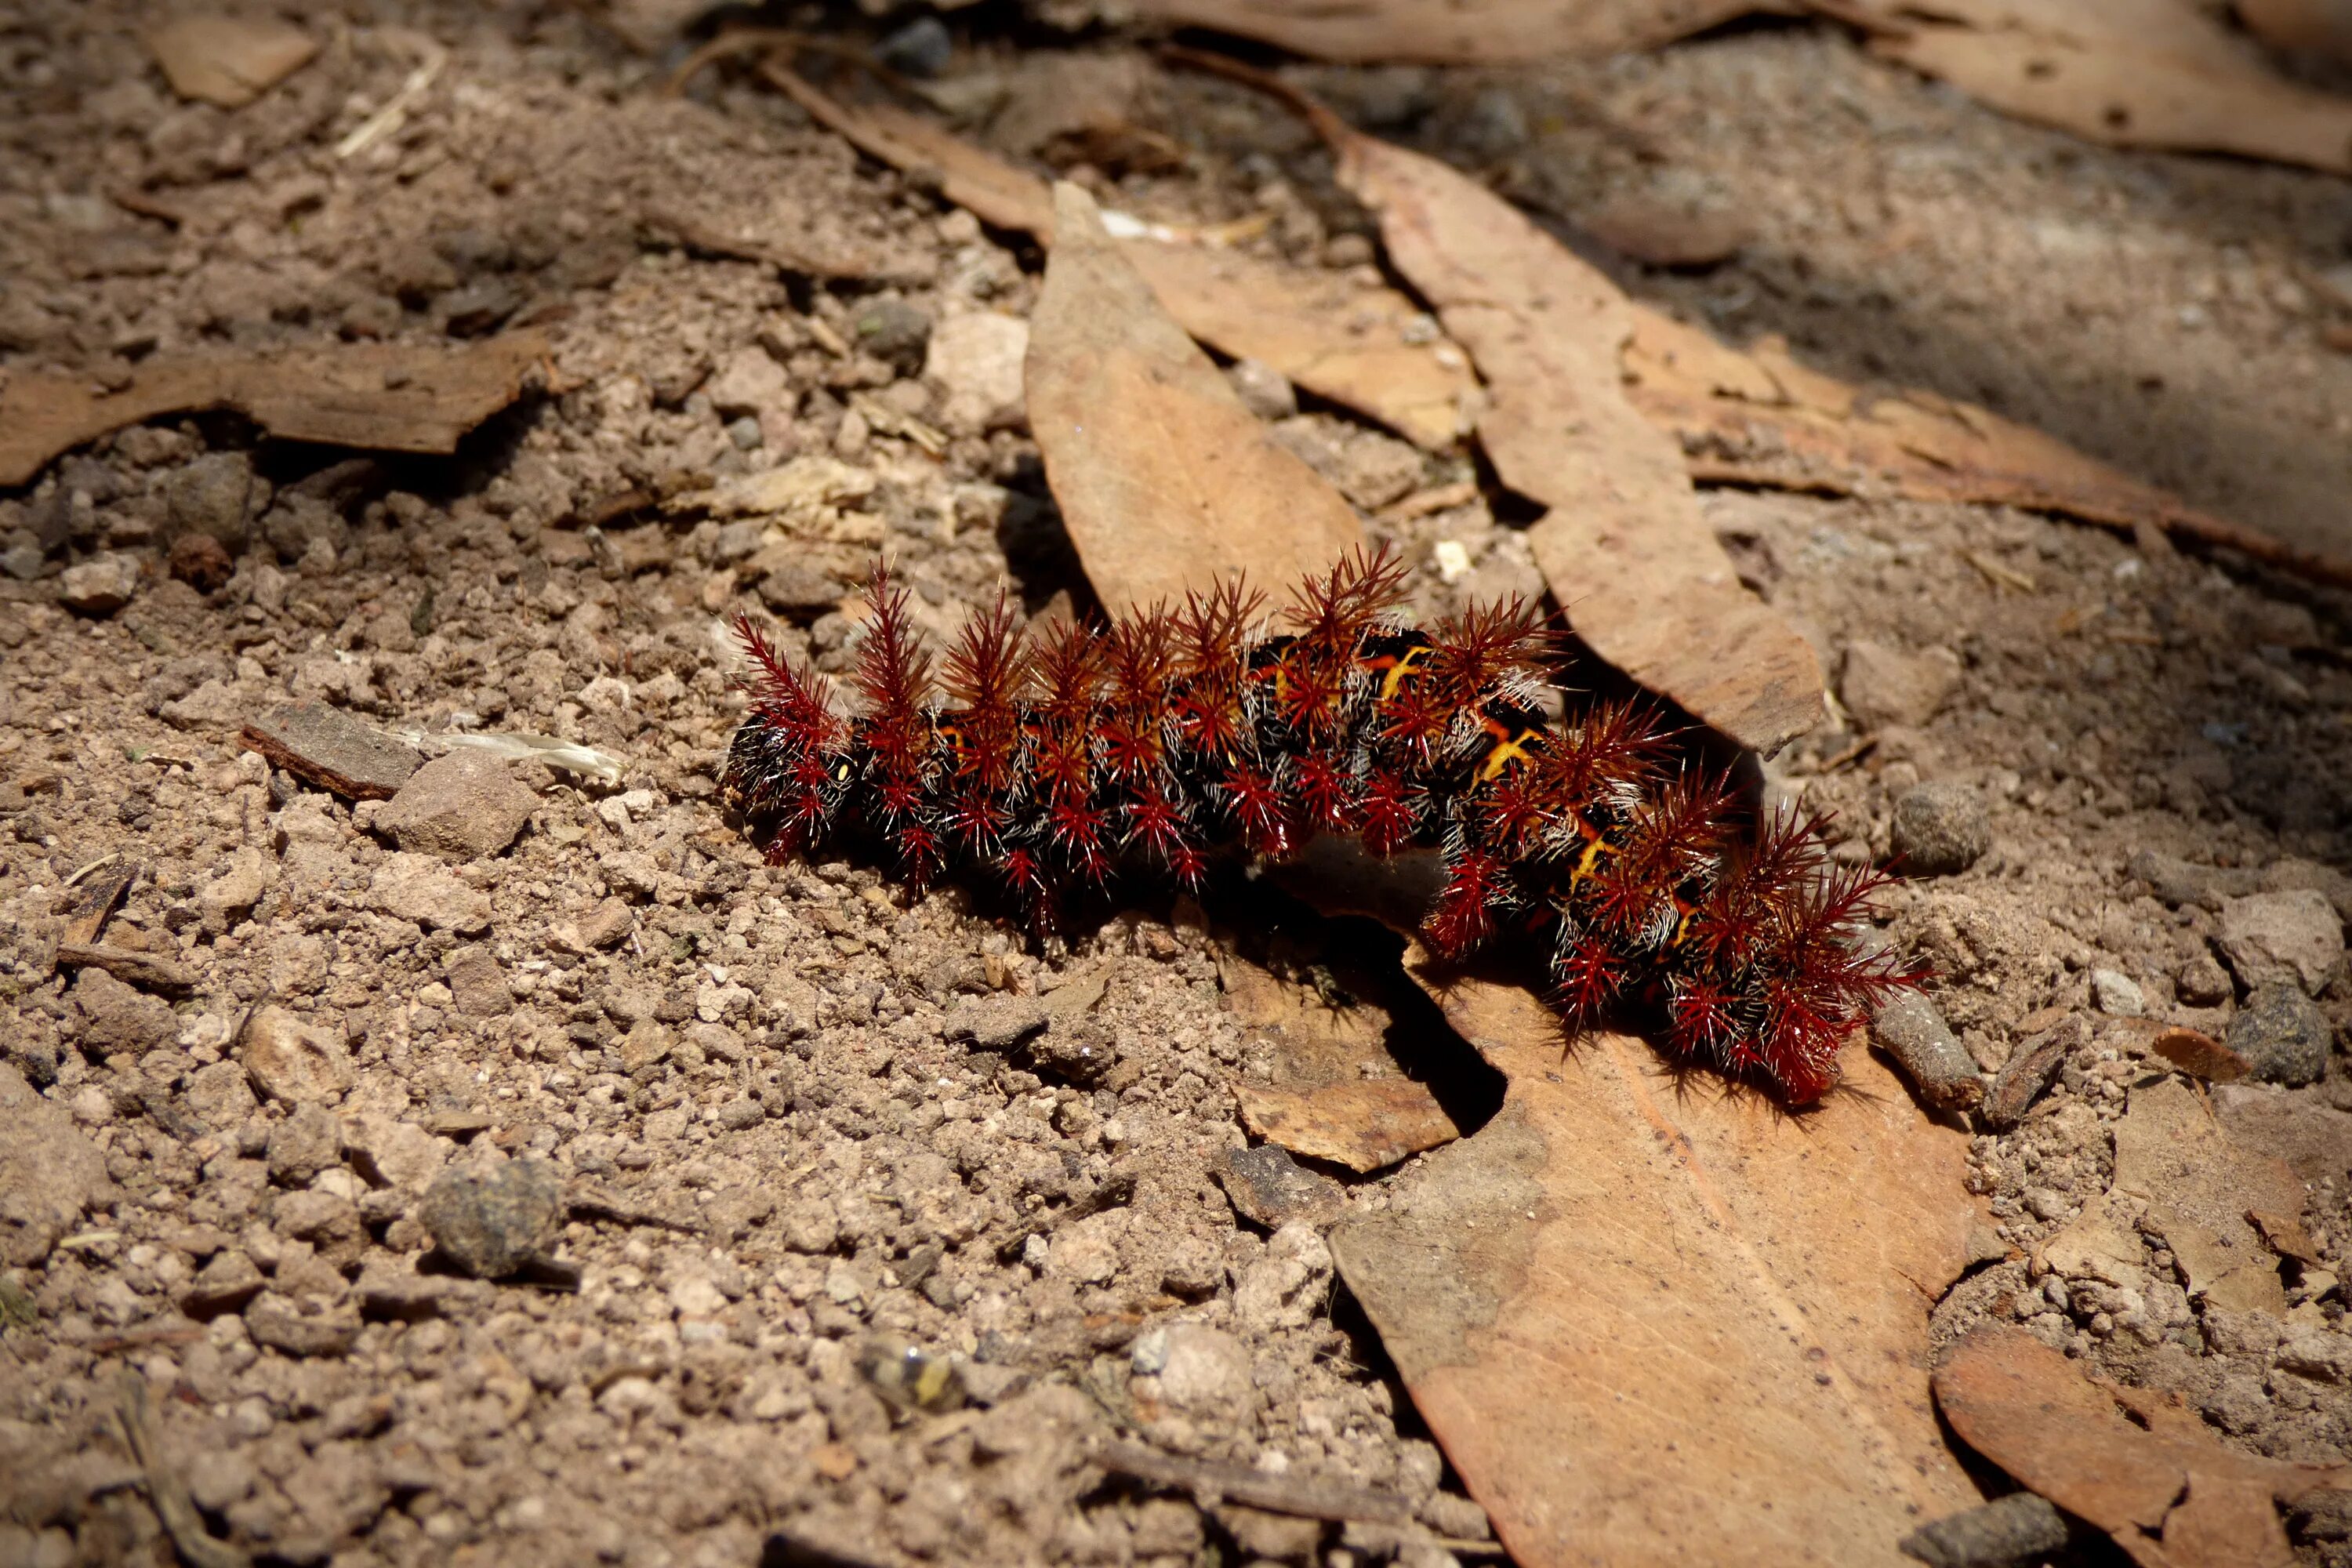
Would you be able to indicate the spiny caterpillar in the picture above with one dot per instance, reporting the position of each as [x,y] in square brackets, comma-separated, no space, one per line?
[1169,735]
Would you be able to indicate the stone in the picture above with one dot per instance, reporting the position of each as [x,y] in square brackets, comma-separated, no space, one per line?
[748,383]
[740,1113]
[301,1326]
[489,1222]
[1193,1370]
[976,359]
[391,1287]
[293,1062]
[894,331]
[99,586]
[50,1173]
[2281,1034]
[2180,882]
[1081,1052]
[922,47]
[213,495]
[118,1018]
[2294,935]
[308,1141]
[1286,1286]
[1882,687]
[801,587]
[1267,1187]
[327,747]
[1912,1030]
[460,807]
[478,983]
[995,1023]
[221,1096]
[420,889]
[606,925]
[2201,981]
[1263,390]
[394,1153]
[200,561]
[1940,829]
[2117,995]
[224,1284]
[229,897]
[2023,1527]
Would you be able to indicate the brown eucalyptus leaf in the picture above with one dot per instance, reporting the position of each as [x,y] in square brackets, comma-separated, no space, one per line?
[1340,339]
[1464,31]
[1662,1320]
[1165,481]
[2126,73]
[1759,416]
[1623,546]
[2152,1478]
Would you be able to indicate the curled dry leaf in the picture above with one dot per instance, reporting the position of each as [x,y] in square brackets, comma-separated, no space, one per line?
[1656,1322]
[1642,576]
[1338,338]
[1466,32]
[2128,73]
[391,397]
[2135,1463]
[1165,481]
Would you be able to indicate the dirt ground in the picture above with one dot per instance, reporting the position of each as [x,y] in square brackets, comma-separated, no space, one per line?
[800,1116]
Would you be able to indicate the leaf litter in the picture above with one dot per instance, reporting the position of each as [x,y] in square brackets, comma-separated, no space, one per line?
[2133,1462]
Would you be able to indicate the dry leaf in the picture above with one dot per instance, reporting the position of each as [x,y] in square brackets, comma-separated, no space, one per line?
[2128,73]
[1340,340]
[228,61]
[1463,32]
[2199,1183]
[1656,1320]
[1762,418]
[1336,1091]
[1165,481]
[1349,342]
[2199,1055]
[2322,26]
[390,397]
[2169,1495]
[1642,578]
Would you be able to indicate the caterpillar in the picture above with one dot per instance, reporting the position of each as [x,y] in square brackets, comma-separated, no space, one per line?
[1165,737]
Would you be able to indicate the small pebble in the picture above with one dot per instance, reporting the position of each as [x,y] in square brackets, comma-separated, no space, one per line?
[2281,1034]
[1940,829]
[895,333]
[2013,1528]
[1263,390]
[922,47]
[490,1223]
[2117,995]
